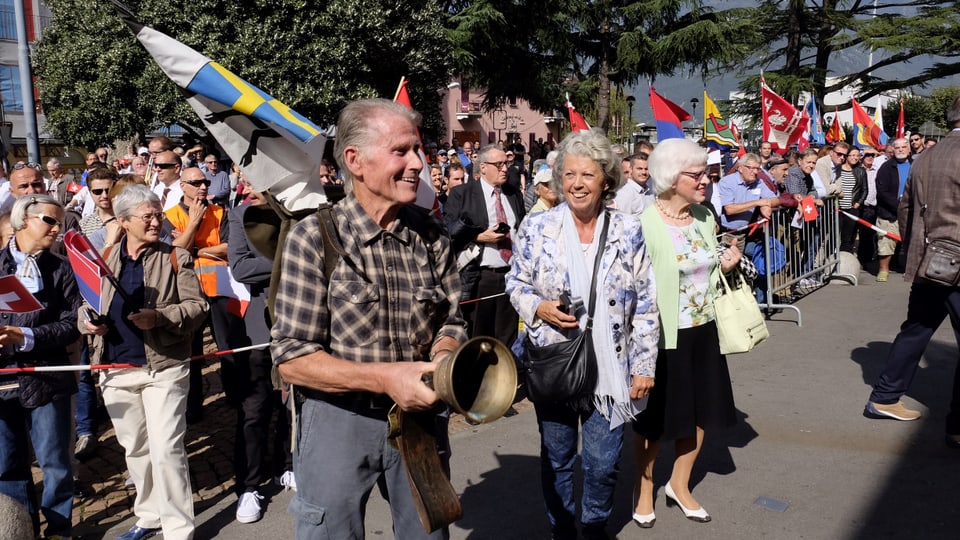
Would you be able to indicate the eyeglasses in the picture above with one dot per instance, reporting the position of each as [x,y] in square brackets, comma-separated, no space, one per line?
[749,167]
[696,175]
[148,218]
[869,154]
[49,220]
[30,165]
[164,165]
[841,154]
[497,164]
[197,183]
[914,139]
[100,191]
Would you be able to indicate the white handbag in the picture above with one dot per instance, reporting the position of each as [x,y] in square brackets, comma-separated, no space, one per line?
[740,324]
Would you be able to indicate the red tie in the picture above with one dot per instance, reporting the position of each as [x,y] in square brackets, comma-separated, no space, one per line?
[504,245]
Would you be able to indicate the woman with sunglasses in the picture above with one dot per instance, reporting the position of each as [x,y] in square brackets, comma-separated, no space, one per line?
[35,409]
[149,323]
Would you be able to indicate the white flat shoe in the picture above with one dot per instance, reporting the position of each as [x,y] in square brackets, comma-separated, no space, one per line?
[699,515]
[645,521]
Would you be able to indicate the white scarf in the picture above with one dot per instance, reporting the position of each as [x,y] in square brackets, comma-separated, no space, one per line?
[612,396]
[27,270]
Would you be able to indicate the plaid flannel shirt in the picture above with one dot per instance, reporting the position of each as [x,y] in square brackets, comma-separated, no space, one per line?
[388,299]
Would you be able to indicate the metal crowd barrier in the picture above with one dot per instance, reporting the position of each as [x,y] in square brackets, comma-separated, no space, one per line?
[800,256]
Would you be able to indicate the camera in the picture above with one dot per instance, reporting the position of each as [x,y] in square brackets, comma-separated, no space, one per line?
[570,304]
[502,228]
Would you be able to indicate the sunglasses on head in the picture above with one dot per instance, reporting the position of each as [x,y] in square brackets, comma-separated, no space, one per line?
[197,183]
[30,165]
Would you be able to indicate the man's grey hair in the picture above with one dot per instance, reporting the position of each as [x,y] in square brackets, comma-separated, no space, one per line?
[552,158]
[18,216]
[355,128]
[131,197]
[53,163]
[484,153]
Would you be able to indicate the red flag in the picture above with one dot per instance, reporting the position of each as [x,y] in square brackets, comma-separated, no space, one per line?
[88,267]
[809,207]
[15,298]
[426,196]
[901,130]
[741,151]
[835,133]
[577,123]
[783,124]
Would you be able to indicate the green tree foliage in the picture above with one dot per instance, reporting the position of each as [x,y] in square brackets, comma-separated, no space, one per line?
[540,49]
[806,38]
[98,84]
[918,110]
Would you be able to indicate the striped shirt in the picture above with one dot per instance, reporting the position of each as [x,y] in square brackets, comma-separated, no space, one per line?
[392,294]
[847,184]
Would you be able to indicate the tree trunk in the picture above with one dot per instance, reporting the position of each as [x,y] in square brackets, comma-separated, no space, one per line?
[825,49]
[795,29]
[603,73]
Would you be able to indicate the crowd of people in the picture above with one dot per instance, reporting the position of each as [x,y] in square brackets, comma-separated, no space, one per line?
[374,295]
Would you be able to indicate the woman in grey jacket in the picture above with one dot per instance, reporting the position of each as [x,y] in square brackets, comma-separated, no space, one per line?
[150,325]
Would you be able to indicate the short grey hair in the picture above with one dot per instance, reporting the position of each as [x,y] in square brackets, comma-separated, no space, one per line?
[552,158]
[594,145]
[355,128]
[131,197]
[18,215]
[53,163]
[672,156]
[750,157]
[484,153]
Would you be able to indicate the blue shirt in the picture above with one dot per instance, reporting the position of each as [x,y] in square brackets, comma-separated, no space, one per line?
[733,190]
[124,341]
[904,170]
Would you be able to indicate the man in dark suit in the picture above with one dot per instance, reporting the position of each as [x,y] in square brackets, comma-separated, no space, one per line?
[475,214]
[928,212]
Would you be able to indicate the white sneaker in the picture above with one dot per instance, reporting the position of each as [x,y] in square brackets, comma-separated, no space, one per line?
[287,480]
[248,507]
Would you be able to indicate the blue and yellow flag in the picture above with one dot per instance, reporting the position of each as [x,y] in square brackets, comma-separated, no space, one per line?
[277,148]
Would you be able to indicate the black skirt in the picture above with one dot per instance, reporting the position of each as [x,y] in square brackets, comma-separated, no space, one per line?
[692,388]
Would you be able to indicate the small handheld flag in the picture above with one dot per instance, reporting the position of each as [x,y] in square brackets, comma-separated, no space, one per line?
[15,298]
[577,123]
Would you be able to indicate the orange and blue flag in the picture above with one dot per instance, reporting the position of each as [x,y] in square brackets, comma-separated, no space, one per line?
[865,131]
[668,115]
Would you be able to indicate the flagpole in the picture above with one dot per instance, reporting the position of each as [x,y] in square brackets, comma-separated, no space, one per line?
[399,87]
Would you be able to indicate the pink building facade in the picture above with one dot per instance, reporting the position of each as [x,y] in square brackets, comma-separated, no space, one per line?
[465,119]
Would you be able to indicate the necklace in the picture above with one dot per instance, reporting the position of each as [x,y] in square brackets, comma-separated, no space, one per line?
[681,216]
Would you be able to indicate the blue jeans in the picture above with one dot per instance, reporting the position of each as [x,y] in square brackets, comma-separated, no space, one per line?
[558,454]
[48,429]
[86,397]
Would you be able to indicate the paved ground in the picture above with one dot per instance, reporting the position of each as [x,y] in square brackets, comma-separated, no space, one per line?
[802,444]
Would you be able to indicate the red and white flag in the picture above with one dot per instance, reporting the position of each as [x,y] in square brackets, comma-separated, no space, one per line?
[15,298]
[426,196]
[577,123]
[783,124]
[809,208]
[901,130]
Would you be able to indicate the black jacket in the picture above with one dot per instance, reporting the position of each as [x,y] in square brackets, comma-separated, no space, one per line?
[54,328]
[888,190]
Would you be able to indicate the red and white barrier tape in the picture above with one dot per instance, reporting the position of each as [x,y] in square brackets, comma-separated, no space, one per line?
[50,369]
[865,223]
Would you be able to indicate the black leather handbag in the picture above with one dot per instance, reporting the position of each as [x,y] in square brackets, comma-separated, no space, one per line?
[566,371]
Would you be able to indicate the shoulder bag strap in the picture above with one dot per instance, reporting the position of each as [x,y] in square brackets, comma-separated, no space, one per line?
[596,268]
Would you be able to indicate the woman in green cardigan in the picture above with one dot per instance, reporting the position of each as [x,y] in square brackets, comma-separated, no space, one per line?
[692,391]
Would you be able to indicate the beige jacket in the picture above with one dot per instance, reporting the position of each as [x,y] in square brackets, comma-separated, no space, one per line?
[176,297]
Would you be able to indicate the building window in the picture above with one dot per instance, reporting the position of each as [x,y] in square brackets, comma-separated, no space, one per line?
[8,21]
[10,88]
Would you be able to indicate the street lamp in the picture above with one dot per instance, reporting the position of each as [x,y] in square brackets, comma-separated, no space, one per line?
[630,101]
[693,103]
